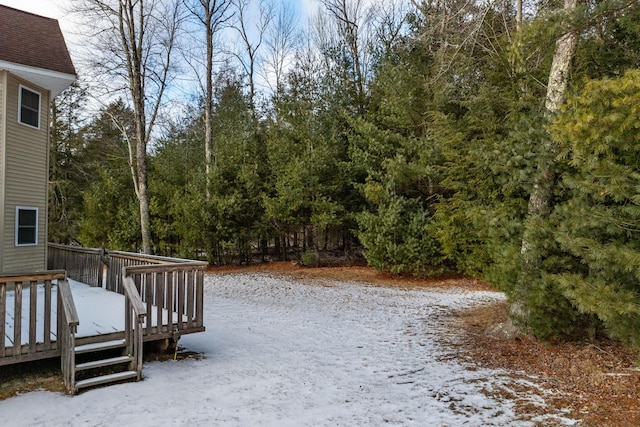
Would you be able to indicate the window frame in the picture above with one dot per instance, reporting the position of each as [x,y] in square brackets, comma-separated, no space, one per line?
[22,88]
[19,227]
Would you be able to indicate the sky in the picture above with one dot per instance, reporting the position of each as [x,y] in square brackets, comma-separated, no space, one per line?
[280,353]
[48,8]
[183,91]
[56,9]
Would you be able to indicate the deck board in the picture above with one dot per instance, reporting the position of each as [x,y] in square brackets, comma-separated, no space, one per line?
[100,312]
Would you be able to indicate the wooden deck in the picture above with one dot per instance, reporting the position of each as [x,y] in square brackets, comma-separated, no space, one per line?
[97,300]
[100,312]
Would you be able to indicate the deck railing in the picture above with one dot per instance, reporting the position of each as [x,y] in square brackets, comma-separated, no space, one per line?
[170,288]
[67,328]
[29,298]
[134,319]
[82,264]
[173,295]
[163,299]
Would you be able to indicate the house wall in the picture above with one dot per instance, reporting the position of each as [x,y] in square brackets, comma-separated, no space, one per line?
[2,144]
[26,165]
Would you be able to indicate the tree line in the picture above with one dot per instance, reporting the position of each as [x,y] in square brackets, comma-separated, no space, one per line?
[477,137]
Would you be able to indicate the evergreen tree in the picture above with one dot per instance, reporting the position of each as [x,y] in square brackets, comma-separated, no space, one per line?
[396,161]
[234,211]
[178,188]
[109,209]
[310,192]
[598,225]
[67,180]
[225,224]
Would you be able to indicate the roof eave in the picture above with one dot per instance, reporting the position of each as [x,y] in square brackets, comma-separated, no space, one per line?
[54,81]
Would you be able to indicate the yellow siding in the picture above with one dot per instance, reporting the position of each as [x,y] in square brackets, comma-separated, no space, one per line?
[26,179]
[3,79]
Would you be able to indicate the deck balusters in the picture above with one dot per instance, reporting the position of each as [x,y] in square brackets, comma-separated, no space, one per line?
[25,309]
[3,315]
[173,285]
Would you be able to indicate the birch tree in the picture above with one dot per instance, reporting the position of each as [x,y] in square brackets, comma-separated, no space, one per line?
[131,45]
[540,199]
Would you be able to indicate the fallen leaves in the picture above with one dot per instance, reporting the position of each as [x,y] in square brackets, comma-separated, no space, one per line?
[599,383]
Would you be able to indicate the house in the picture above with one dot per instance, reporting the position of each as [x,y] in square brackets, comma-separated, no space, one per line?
[35,66]
[116,301]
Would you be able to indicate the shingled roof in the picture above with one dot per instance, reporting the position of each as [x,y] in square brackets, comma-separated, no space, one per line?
[30,40]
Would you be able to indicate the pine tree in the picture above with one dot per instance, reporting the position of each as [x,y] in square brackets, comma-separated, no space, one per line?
[67,180]
[109,217]
[599,225]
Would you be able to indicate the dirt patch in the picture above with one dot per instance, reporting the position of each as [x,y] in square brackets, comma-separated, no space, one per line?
[360,274]
[599,382]
[30,376]
[180,353]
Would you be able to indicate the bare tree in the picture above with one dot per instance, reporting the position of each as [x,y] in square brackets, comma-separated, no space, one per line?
[281,42]
[453,30]
[251,39]
[352,19]
[131,46]
[389,20]
[212,15]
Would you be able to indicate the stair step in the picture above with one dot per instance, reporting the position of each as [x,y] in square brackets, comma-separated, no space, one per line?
[100,346]
[104,379]
[103,362]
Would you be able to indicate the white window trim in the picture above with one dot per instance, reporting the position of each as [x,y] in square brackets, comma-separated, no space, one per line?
[20,88]
[24,208]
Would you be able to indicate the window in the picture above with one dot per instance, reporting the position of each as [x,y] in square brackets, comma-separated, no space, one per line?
[26,226]
[29,113]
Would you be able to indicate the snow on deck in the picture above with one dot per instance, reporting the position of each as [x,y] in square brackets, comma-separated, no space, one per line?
[100,312]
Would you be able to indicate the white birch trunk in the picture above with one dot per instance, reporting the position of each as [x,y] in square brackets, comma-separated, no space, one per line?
[539,205]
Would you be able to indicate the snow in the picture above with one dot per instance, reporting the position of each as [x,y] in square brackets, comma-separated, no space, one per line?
[100,312]
[278,352]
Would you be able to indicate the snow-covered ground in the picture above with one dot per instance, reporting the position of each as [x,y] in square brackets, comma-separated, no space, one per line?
[282,353]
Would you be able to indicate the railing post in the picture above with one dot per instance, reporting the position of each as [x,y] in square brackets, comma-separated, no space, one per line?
[67,328]
[134,317]
[3,314]
[200,297]
[17,320]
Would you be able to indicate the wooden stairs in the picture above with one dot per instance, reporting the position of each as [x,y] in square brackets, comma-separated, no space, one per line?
[97,364]
[163,299]
[103,360]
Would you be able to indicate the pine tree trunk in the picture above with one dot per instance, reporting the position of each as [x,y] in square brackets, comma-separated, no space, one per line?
[540,199]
